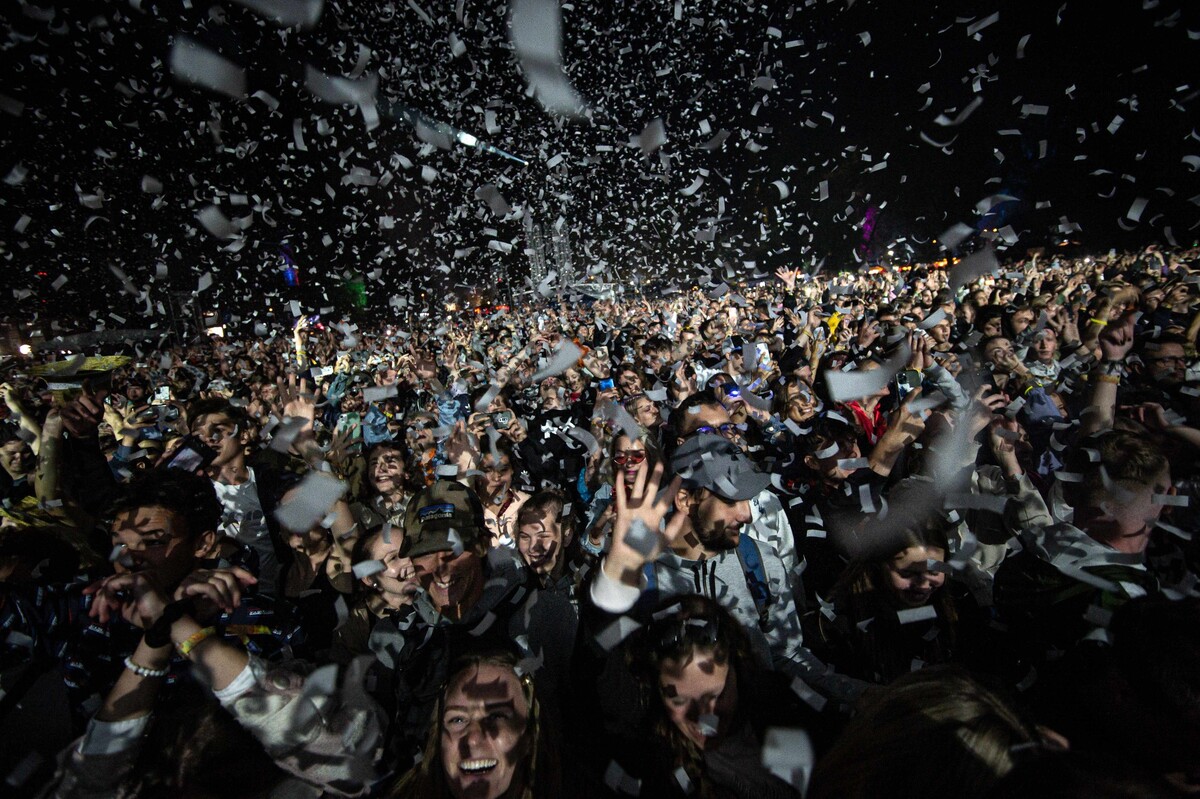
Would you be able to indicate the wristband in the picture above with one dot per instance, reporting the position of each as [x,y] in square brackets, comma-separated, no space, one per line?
[195,639]
[142,671]
[1100,322]
[1107,378]
[158,635]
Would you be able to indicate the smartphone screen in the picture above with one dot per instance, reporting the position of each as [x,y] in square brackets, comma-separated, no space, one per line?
[191,456]
[162,395]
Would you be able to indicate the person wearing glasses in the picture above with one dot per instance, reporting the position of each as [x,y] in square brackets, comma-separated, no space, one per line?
[704,414]
[630,458]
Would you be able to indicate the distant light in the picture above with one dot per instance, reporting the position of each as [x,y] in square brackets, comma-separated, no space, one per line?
[466,138]
[25,349]
[216,330]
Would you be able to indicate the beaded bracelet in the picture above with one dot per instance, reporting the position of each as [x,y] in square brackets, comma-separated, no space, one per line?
[142,671]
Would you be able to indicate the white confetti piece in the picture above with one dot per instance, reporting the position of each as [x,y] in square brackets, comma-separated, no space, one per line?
[216,223]
[789,754]
[846,386]
[564,358]
[652,137]
[373,394]
[975,27]
[612,635]
[312,502]
[194,64]
[962,116]
[536,36]
[973,267]
[367,568]
[912,615]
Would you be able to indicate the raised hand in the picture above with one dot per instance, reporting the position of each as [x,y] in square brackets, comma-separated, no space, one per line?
[298,399]
[222,588]
[82,414]
[1117,339]
[1151,414]
[984,406]
[788,276]
[460,450]
[637,518]
[130,596]
[868,332]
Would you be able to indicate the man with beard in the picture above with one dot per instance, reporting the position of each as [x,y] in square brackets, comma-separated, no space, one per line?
[703,413]
[707,554]
[1160,371]
[469,596]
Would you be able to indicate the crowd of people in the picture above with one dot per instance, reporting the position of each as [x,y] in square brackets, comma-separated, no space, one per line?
[923,532]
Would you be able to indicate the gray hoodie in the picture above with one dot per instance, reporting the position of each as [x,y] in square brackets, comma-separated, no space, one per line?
[775,636]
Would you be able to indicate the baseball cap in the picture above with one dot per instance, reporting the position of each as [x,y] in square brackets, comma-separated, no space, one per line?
[717,464]
[445,516]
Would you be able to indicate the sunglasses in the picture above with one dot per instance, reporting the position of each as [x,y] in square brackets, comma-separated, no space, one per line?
[629,457]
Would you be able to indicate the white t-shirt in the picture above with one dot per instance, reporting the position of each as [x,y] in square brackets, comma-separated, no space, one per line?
[245,522]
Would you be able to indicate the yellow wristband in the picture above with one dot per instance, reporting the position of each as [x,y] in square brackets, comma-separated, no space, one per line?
[1114,379]
[195,639]
[1100,322]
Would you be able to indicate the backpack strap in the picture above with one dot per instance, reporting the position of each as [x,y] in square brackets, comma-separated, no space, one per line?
[648,599]
[755,573]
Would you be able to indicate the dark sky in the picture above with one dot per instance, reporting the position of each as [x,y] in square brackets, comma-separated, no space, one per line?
[110,159]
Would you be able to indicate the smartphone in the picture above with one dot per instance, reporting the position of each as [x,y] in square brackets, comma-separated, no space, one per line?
[191,456]
[502,419]
[606,384]
[733,392]
[352,422]
[162,395]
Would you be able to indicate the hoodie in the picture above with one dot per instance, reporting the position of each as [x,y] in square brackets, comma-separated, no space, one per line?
[1063,588]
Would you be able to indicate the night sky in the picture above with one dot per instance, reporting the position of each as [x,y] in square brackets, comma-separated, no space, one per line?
[126,184]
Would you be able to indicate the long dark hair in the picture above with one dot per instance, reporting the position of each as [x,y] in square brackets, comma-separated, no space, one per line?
[683,627]
[539,774]
[862,590]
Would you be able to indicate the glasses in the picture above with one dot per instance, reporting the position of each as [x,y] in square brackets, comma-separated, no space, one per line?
[729,430]
[629,457]
[1172,358]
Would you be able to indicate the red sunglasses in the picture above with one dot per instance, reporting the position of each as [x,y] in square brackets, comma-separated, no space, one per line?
[629,457]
